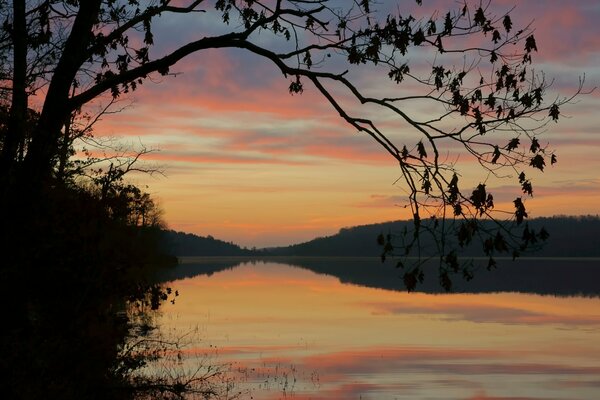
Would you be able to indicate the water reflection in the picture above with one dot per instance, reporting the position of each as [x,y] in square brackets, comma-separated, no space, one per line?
[323,339]
[554,276]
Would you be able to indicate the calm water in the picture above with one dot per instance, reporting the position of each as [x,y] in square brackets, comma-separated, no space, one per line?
[290,332]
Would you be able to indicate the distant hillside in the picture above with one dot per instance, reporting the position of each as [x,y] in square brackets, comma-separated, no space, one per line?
[569,237]
[187,244]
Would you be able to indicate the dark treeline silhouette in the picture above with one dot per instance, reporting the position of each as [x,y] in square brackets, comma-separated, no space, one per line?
[188,244]
[75,290]
[569,236]
[193,266]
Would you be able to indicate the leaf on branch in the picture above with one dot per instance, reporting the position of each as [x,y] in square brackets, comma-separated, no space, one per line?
[497,154]
[372,50]
[481,200]
[520,212]
[421,150]
[526,100]
[439,76]
[477,96]
[554,112]
[411,278]
[490,101]
[355,56]
[496,36]
[525,184]
[307,59]
[507,23]
[418,37]
[538,162]
[535,145]
[453,191]
[530,44]
[445,281]
[431,27]
[296,86]
[553,159]
[457,208]
[404,153]
[479,17]
[499,111]
[527,188]
[448,25]
[426,185]
[365,6]
[397,74]
[310,22]
[513,144]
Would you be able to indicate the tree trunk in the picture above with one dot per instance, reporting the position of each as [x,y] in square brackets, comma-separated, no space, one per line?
[18,110]
[45,137]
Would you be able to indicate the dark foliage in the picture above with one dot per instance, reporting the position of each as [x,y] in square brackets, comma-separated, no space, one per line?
[69,269]
[548,276]
[187,244]
[570,237]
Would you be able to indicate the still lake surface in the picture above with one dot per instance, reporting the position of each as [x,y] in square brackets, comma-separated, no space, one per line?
[292,328]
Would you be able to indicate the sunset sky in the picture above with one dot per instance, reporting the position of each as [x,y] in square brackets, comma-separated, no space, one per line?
[247,162]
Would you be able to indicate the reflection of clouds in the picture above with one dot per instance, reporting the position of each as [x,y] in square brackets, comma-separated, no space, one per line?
[241,350]
[575,383]
[344,391]
[322,336]
[435,361]
[369,371]
[481,395]
[483,313]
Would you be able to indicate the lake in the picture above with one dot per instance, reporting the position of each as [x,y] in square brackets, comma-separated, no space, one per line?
[288,331]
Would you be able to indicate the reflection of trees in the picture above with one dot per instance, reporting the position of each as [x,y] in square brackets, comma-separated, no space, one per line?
[193,266]
[548,276]
[561,277]
[157,366]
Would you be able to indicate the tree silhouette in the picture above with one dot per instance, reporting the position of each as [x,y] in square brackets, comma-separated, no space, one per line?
[479,84]
[80,51]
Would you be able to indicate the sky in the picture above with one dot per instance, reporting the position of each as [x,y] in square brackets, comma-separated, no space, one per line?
[245,161]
